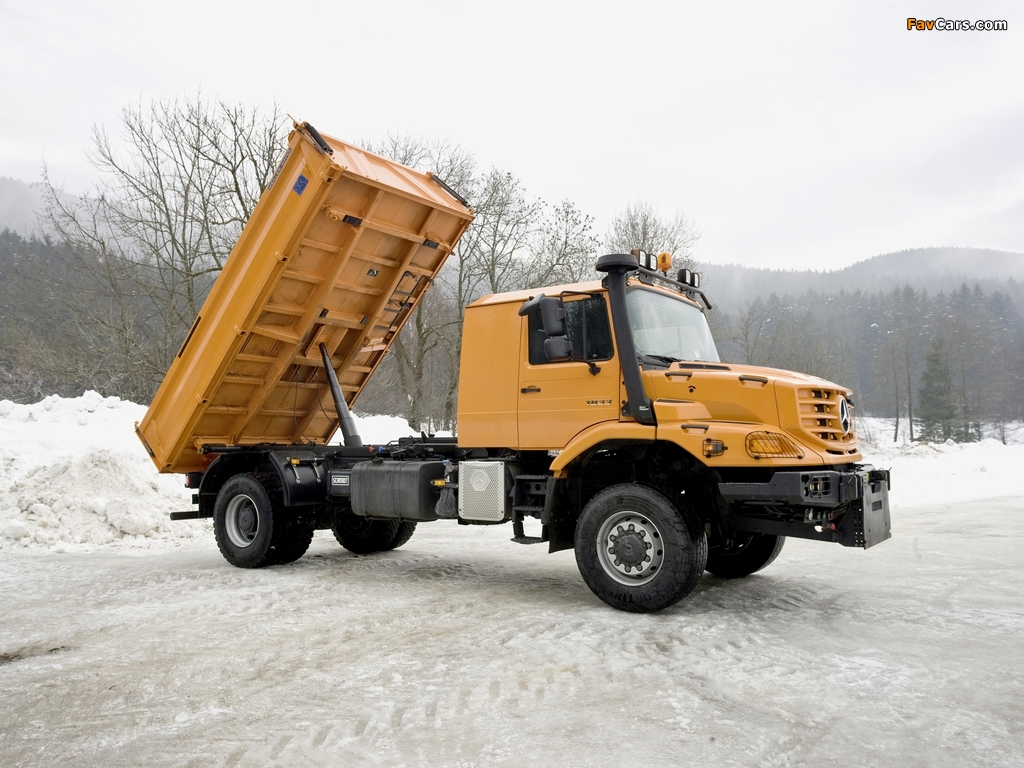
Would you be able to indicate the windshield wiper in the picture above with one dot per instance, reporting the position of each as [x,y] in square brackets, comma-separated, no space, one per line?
[657,359]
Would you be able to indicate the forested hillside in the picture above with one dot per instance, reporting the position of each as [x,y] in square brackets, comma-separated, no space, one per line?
[931,269]
[36,335]
[951,360]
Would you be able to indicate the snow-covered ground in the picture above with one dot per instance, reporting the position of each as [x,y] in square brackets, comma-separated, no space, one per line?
[127,640]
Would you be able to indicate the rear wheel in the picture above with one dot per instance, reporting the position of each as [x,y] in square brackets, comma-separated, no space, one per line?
[364,535]
[637,550]
[745,554]
[295,542]
[406,529]
[243,522]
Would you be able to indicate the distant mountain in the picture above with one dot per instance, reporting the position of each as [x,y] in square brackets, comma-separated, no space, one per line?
[19,205]
[933,269]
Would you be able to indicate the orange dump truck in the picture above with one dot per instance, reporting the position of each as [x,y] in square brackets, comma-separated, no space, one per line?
[600,409]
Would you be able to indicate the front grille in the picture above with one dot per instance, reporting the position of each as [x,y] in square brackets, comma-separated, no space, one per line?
[819,417]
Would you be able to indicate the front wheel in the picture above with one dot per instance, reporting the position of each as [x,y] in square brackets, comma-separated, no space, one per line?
[743,555]
[637,550]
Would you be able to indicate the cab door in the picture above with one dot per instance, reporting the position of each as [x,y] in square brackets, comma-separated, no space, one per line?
[558,400]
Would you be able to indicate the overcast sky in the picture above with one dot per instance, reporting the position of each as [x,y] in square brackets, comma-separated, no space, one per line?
[793,135]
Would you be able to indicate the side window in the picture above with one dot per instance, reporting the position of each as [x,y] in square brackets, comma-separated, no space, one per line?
[589,331]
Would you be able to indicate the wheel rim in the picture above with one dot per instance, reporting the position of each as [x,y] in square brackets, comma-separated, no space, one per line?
[630,548]
[242,521]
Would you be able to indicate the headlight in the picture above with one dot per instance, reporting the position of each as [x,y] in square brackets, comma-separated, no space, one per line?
[772,445]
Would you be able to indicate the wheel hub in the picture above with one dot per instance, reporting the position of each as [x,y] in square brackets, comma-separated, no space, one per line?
[630,548]
[246,520]
[241,521]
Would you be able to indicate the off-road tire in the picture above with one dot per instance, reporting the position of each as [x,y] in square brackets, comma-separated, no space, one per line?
[406,528]
[295,543]
[747,554]
[244,521]
[609,539]
[364,535]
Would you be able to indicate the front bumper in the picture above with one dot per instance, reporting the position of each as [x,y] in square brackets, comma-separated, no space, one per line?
[849,507]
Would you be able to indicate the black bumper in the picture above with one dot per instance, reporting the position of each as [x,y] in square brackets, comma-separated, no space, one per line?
[786,505]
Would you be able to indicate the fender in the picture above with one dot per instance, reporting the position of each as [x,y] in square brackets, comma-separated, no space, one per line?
[226,466]
[600,433]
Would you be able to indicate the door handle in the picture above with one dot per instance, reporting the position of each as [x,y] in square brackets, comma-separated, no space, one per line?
[527,390]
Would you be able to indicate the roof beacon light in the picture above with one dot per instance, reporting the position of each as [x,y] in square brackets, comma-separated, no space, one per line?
[664,262]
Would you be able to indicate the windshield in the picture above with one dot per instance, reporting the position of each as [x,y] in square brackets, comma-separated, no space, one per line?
[668,329]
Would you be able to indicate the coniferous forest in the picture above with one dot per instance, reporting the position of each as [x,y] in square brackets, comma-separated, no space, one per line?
[949,363]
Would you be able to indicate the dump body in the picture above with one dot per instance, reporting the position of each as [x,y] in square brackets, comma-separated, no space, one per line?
[340,249]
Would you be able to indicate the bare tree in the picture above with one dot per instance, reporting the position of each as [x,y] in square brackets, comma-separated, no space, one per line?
[780,333]
[756,331]
[510,246]
[145,245]
[497,247]
[423,354]
[566,247]
[422,364]
[493,256]
[639,226]
[908,308]
[449,162]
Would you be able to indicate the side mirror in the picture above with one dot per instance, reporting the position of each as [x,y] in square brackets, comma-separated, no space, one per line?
[552,316]
[558,349]
[552,313]
[530,304]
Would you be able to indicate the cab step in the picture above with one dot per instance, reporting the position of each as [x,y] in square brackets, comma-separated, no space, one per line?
[519,537]
[527,539]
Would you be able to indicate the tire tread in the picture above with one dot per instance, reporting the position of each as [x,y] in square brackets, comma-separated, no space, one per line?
[676,519]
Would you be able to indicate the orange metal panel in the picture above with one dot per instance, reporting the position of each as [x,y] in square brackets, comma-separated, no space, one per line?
[339,249]
[489,376]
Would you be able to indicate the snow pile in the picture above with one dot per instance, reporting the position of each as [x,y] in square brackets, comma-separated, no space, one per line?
[73,476]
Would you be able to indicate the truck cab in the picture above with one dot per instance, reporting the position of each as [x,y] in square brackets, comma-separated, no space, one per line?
[618,383]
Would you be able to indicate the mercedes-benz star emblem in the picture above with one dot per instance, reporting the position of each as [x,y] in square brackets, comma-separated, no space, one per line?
[844,414]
